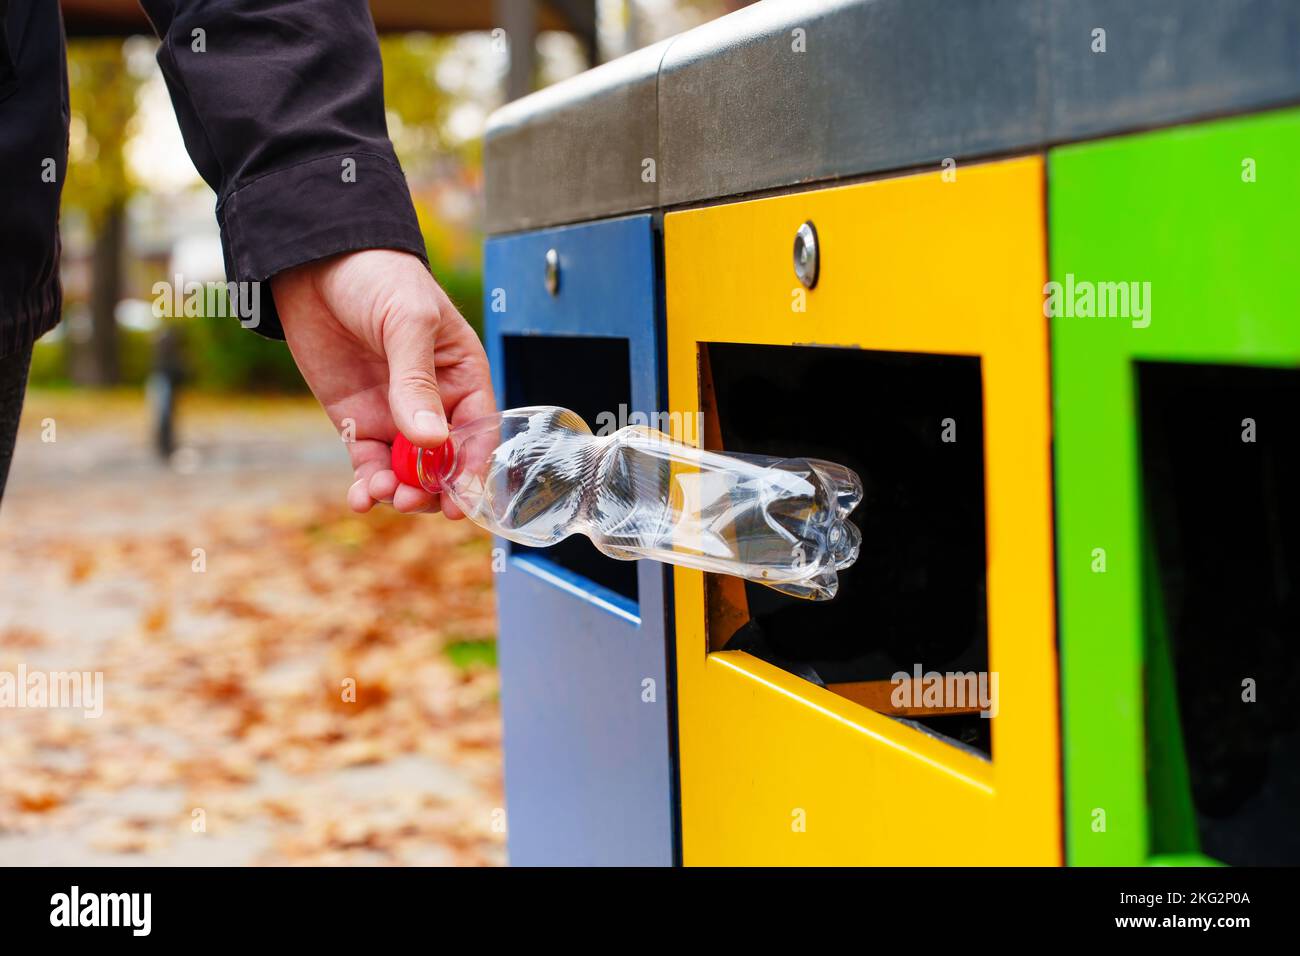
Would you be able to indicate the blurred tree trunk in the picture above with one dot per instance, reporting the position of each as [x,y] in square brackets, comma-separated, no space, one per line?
[105,291]
[103,106]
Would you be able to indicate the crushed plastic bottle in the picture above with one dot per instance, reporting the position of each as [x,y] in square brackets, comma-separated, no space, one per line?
[537,475]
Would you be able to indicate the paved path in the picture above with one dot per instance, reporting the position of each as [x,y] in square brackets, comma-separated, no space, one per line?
[226,736]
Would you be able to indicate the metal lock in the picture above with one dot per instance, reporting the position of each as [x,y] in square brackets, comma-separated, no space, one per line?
[806,255]
[552,272]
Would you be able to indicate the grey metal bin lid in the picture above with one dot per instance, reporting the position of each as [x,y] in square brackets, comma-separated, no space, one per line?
[574,151]
[786,92]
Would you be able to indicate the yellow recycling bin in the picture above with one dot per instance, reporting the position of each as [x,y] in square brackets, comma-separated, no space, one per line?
[918,356]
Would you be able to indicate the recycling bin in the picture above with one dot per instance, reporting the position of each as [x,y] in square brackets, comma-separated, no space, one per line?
[927,373]
[573,319]
[939,206]
[1176,363]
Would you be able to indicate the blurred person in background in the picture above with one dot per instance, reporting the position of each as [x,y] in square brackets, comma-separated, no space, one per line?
[165,379]
[280,103]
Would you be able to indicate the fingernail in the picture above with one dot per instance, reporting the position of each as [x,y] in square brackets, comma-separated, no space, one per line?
[430,422]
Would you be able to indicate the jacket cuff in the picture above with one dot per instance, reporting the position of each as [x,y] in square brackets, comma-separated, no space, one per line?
[339,203]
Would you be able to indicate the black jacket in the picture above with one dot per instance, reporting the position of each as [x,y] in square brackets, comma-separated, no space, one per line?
[277,100]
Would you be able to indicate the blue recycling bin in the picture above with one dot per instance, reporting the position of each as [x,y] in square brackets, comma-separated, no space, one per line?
[574,318]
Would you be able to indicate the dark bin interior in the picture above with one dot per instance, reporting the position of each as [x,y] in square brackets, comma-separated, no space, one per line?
[917,592]
[588,376]
[1223,528]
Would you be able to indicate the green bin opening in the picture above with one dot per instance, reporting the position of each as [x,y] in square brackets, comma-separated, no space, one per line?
[1220,451]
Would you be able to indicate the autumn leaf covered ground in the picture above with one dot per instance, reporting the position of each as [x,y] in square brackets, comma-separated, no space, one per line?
[229,735]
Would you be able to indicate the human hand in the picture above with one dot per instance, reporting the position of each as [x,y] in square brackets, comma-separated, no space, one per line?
[379,343]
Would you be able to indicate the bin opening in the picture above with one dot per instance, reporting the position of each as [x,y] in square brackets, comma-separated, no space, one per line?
[912,426]
[1222,612]
[589,376]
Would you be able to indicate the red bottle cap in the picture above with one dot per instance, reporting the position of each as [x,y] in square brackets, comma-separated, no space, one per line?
[406,463]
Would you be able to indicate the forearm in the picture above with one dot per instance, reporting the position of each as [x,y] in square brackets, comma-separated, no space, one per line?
[281,106]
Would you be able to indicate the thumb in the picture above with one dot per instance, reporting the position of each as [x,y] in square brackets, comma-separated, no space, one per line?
[413,384]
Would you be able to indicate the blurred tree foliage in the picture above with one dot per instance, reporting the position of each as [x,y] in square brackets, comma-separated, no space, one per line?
[417,106]
[220,355]
[102,106]
[102,93]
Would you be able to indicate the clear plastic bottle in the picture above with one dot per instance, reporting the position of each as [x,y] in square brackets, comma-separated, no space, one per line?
[537,475]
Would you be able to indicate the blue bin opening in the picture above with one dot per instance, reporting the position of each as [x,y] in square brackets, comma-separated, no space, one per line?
[593,377]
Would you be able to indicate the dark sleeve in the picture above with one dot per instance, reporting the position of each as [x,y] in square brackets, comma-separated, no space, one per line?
[281,105]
